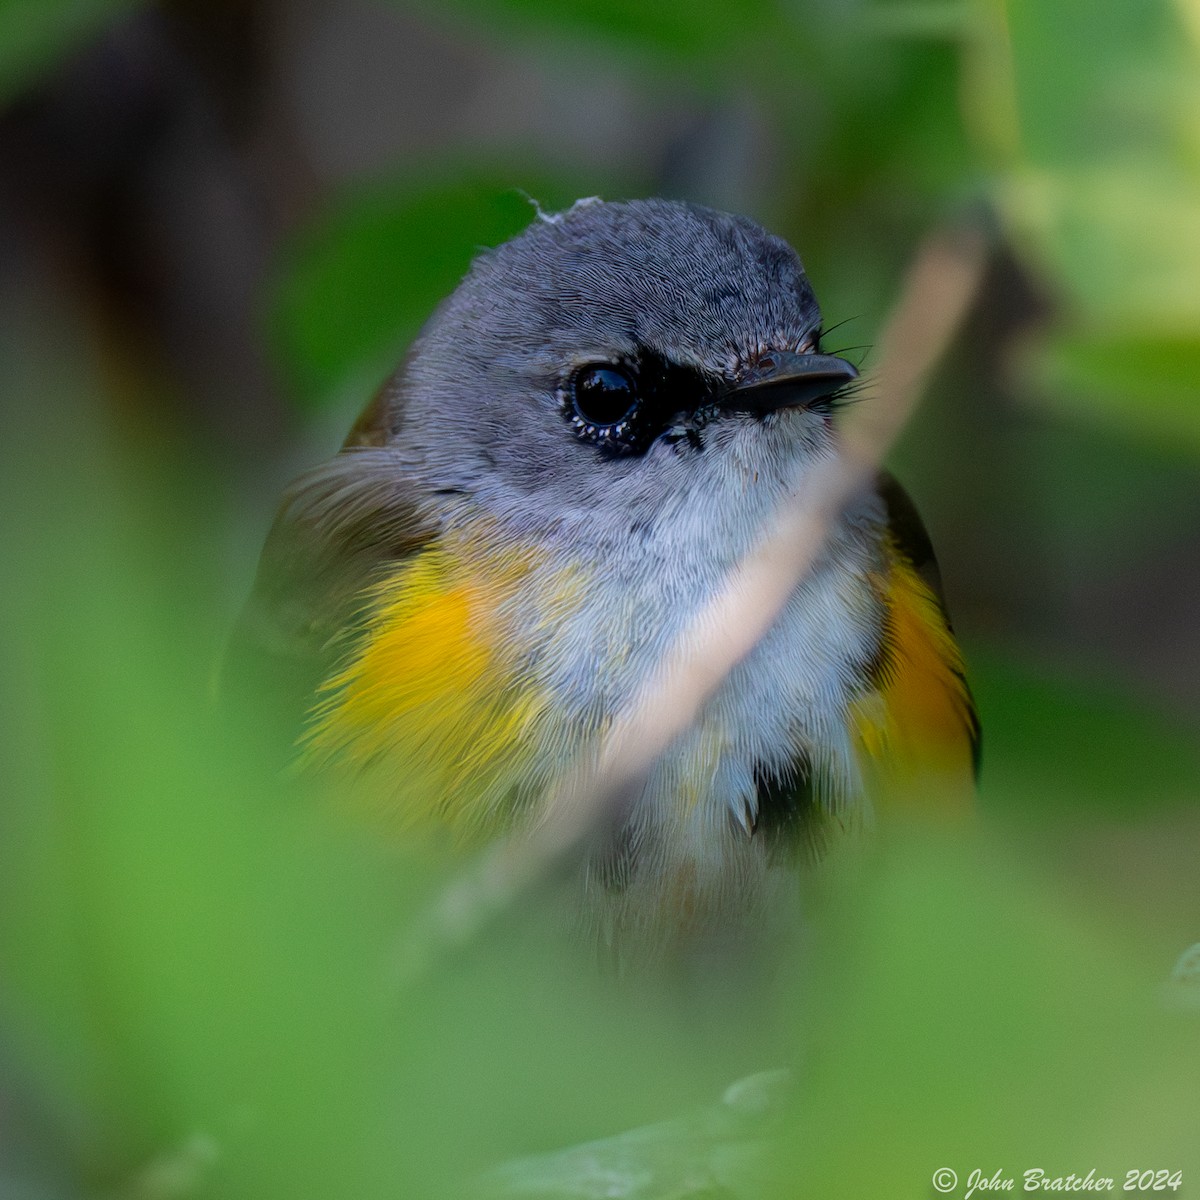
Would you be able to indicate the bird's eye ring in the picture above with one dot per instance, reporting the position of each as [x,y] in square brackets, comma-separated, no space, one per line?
[603,394]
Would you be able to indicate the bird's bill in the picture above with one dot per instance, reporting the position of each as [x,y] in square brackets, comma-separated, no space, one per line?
[786,379]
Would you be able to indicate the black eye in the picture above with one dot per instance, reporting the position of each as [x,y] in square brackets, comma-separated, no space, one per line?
[603,395]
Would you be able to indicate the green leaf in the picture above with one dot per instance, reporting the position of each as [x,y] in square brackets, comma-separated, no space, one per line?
[678,29]
[1100,199]
[966,1018]
[1054,739]
[358,285]
[35,35]
[1121,241]
[1075,65]
[1143,386]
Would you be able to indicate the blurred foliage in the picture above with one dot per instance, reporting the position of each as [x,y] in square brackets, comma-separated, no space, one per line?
[187,959]
[188,948]
[969,1018]
[676,32]
[354,296]
[1102,196]
[182,954]
[1074,121]
[1045,724]
[36,34]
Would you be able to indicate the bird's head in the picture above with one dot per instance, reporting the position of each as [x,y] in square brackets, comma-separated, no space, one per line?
[620,360]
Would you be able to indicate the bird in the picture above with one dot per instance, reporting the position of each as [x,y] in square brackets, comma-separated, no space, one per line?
[582,442]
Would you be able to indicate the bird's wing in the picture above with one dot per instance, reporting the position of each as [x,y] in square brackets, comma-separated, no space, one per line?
[918,728]
[340,527]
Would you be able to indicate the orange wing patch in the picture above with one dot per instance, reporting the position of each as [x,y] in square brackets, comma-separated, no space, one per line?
[917,733]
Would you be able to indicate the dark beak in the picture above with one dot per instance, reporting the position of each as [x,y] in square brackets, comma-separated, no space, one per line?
[785,379]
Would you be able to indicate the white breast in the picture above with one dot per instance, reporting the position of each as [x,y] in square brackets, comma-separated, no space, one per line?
[786,703]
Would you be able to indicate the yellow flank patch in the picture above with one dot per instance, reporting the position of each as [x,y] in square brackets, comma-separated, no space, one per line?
[915,732]
[428,711]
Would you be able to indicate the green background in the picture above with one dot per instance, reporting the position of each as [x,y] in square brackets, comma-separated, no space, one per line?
[220,225]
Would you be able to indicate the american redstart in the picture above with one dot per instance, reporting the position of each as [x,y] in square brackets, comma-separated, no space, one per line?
[584,440]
